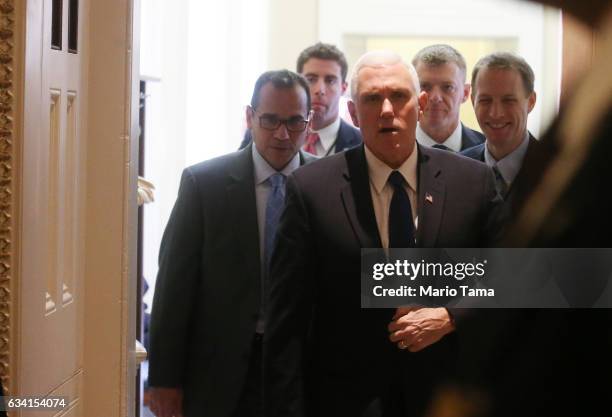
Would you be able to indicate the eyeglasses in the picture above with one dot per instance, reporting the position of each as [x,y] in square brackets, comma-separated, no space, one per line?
[293,124]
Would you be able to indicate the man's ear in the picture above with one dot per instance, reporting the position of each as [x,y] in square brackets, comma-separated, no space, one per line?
[466,92]
[353,112]
[422,100]
[531,101]
[344,86]
[249,116]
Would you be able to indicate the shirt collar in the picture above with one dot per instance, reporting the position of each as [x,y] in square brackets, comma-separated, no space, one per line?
[263,170]
[328,134]
[379,171]
[509,165]
[453,142]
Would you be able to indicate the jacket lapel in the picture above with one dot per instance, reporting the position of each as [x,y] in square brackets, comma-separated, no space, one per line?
[466,140]
[520,181]
[470,138]
[431,196]
[357,199]
[243,209]
[306,158]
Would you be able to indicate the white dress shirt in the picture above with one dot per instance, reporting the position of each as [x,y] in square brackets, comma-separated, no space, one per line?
[509,165]
[453,142]
[327,138]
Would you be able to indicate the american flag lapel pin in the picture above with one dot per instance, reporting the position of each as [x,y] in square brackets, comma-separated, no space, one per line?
[429,198]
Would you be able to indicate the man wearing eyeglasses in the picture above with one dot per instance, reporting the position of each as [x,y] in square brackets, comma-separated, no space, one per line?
[325,68]
[208,313]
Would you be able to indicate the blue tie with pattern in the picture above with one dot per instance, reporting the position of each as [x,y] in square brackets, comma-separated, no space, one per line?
[274,207]
[401,225]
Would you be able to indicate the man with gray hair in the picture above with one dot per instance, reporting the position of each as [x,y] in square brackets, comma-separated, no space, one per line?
[441,69]
[323,354]
[503,96]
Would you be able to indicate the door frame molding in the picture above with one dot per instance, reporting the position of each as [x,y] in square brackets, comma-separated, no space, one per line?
[111,208]
[11,25]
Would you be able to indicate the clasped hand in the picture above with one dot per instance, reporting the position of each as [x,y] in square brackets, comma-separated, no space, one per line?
[415,328]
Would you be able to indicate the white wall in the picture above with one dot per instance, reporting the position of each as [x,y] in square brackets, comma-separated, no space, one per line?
[201,60]
[467,18]
[293,26]
[227,47]
[163,56]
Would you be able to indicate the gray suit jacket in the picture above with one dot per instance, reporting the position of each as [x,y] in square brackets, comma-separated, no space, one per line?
[208,289]
[323,354]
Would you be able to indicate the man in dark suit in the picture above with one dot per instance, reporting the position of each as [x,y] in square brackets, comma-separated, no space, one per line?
[325,68]
[552,362]
[442,72]
[503,96]
[207,321]
[567,206]
[323,354]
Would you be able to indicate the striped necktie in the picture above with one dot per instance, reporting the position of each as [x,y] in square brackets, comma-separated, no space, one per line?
[500,183]
[311,143]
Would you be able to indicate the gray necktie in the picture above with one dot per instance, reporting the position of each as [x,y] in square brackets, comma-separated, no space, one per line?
[500,183]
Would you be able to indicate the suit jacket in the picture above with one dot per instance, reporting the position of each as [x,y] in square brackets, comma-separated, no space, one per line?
[576,369]
[470,137]
[323,354]
[478,152]
[348,137]
[562,363]
[521,184]
[208,289]
[545,349]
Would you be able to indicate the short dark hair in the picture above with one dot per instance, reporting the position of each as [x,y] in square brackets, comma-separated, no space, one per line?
[439,54]
[280,79]
[507,61]
[326,51]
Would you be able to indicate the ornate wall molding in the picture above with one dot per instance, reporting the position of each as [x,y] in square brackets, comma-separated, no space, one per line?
[7,137]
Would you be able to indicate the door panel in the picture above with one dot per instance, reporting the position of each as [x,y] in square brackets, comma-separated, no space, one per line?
[51,310]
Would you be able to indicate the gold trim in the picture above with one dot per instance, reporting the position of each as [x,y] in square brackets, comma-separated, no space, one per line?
[7,132]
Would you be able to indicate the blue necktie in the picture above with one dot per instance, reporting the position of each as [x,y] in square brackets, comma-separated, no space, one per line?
[274,207]
[401,225]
